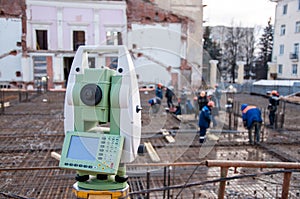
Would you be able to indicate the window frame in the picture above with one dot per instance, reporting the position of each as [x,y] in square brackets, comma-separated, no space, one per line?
[281,49]
[282,29]
[40,26]
[44,34]
[284,9]
[294,69]
[280,69]
[74,47]
[296,48]
[297,26]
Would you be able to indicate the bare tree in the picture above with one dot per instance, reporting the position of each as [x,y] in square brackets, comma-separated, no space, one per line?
[249,45]
[234,50]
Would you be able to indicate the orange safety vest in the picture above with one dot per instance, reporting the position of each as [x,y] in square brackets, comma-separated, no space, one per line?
[248,108]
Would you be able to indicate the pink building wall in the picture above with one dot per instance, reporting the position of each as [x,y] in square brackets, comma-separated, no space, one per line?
[46,14]
[76,19]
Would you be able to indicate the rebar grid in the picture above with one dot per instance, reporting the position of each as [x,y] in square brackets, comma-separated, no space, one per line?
[30,131]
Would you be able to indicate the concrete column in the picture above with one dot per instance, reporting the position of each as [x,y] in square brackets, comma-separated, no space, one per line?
[272,70]
[213,72]
[26,69]
[96,27]
[60,28]
[240,78]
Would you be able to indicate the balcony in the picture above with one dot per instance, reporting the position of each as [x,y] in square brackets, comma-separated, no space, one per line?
[294,57]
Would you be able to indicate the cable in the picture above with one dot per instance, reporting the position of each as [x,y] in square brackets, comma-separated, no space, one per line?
[187,181]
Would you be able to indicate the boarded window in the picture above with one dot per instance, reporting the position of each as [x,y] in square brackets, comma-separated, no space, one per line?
[40,67]
[41,40]
[78,39]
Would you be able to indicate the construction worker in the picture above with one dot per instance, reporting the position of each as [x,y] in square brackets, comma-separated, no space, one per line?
[170,95]
[205,118]
[159,90]
[272,107]
[155,103]
[252,119]
[202,100]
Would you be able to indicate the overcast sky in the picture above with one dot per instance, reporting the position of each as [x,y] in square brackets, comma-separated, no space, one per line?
[247,13]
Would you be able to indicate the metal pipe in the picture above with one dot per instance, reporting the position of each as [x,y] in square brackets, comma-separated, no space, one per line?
[169,180]
[167,164]
[155,135]
[286,185]
[148,184]
[165,183]
[252,164]
[221,193]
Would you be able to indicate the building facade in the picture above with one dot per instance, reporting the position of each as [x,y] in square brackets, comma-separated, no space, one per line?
[285,56]
[164,43]
[55,30]
[12,19]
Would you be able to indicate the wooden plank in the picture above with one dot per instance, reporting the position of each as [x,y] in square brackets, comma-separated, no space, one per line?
[212,137]
[151,151]
[6,104]
[55,155]
[167,135]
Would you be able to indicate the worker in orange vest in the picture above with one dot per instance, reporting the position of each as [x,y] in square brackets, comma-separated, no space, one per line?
[252,119]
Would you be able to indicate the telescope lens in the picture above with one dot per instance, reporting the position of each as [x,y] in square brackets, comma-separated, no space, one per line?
[91,94]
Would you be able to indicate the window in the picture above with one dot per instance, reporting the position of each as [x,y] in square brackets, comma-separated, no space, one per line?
[279,68]
[281,49]
[282,30]
[111,62]
[284,11]
[294,69]
[78,39]
[39,68]
[298,4]
[297,29]
[92,62]
[296,48]
[113,38]
[41,40]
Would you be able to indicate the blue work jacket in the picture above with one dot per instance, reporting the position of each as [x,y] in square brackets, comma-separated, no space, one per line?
[205,117]
[251,114]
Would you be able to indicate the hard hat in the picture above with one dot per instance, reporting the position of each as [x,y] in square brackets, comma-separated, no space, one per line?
[243,106]
[202,94]
[211,104]
[274,92]
[159,85]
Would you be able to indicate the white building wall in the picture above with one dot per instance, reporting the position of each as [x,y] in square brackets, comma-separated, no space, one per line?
[192,9]
[161,47]
[287,40]
[10,34]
